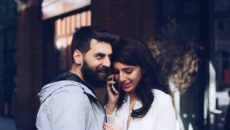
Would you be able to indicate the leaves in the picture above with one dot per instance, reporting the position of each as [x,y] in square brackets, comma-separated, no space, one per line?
[177,56]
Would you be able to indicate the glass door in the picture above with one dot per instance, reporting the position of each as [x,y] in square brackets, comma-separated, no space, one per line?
[219,111]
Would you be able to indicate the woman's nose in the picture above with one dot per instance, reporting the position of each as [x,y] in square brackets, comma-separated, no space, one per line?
[122,77]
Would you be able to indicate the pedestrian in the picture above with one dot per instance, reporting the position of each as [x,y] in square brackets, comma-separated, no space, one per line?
[68,102]
[142,102]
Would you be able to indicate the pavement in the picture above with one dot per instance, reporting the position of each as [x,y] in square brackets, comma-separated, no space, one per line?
[7,123]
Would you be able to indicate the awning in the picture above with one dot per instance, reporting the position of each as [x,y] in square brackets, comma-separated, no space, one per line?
[52,8]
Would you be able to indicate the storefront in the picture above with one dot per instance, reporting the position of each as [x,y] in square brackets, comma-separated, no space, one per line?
[43,48]
[205,103]
[61,19]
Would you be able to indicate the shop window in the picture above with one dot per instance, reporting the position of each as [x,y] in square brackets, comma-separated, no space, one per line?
[226,67]
[64,29]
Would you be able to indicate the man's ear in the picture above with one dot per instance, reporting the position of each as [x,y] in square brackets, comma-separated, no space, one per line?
[77,57]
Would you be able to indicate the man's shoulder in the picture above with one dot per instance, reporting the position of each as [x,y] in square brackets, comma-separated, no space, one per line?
[68,86]
[72,89]
[58,89]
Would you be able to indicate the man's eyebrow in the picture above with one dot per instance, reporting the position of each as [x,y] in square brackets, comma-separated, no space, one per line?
[99,54]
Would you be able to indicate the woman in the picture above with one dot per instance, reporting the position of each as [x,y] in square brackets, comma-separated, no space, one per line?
[141,103]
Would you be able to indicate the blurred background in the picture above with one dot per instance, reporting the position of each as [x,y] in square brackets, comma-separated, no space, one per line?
[190,40]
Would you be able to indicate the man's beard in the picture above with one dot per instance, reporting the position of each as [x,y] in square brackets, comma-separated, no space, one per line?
[96,77]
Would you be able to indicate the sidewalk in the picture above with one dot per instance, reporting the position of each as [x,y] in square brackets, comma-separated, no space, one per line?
[7,124]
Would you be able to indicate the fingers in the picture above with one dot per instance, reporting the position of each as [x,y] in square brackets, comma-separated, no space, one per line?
[114,90]
[108,88]
[110,82]
[108,126]
[110,77]
[112,97]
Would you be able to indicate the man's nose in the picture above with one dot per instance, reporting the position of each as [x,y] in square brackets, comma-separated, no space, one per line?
[107,62]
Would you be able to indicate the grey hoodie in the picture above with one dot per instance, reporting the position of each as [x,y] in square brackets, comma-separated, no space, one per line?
[69,105]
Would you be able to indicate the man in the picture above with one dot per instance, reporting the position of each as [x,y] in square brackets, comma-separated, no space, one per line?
[68,102]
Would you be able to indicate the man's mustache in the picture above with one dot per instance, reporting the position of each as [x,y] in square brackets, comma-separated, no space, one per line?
[103,70]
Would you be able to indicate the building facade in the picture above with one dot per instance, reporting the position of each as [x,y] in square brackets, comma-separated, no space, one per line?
[44,35]
[8,53]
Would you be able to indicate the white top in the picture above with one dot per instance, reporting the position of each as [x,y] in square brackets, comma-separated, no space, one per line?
[161,115]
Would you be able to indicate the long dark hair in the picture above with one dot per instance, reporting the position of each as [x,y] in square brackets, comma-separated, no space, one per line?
[133,52]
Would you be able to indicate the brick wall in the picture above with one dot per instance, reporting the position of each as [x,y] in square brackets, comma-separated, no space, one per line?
[134,18]
[1,73]
[29,65]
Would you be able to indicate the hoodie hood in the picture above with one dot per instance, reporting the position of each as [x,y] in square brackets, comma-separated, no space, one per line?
[64,80]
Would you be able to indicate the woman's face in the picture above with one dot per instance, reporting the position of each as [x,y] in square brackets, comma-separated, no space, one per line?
[128,76]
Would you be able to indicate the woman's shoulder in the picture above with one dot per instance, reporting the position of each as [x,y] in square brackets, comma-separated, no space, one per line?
[160,96]
[159,92]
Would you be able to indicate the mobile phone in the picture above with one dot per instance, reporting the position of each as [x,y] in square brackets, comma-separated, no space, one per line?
[115,88]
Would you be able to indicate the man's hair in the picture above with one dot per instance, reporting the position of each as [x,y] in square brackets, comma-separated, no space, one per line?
[83,36]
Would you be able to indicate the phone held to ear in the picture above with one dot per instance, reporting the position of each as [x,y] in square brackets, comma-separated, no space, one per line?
[115,88]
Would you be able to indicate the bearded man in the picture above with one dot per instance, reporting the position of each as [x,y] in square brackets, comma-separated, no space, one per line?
[68,102]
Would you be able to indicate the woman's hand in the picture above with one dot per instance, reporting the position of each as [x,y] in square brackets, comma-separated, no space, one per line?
[112,98]
[111,95]
[108,126]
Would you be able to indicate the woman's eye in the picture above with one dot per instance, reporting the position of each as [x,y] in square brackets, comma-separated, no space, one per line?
[128,71]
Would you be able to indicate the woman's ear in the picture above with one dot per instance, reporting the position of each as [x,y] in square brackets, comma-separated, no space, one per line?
[77,57]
